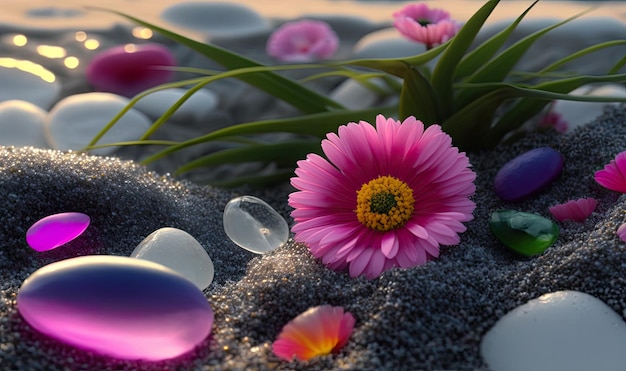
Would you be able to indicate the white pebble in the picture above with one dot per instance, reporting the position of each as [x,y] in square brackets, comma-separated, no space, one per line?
[22,124]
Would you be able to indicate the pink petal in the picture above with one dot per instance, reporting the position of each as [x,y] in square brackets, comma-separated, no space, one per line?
[318,331]
[621,232]
[576,210]
[613,176]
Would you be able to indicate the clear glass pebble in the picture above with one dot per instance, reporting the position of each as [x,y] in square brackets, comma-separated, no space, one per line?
[179,251]
[254,225]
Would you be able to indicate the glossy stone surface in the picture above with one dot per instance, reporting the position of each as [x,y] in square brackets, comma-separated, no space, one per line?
[525,233]
[528,173]
[563,330]
[254,225]
[178,250]
[195,110]
[130,69]
[74,121]
[56,230]
[117,306]
[22,124]
[219,18]
[28,81]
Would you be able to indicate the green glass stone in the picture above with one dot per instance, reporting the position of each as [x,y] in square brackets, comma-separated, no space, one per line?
[525,233]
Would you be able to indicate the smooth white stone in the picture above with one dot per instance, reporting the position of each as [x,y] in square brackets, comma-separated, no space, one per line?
[254,225]
[77,119]
[563,330]
[216,18]
[354,95]
[195,109]
[22,124]
[28,81]
[179,251]
[386,43]
[579,113]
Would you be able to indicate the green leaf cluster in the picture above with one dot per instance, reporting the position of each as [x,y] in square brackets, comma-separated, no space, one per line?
[471,92]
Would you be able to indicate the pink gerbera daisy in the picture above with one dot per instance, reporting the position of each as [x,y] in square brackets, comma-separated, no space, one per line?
[316,332]
[302,41]
[429,26]
[613,176]
[576,210]
[388,196]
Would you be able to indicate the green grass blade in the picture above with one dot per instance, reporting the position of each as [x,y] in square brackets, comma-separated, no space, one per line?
[284,154]
[443,73]
[582,53]
[478,57]
[397,66]
[278,86]
[418,99]
[316,125]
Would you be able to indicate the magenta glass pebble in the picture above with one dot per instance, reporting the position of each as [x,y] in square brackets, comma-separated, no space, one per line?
[56,230]
[122,307]
[129,69]
[528,173]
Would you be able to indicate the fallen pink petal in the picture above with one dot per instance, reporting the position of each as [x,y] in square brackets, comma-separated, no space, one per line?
[576,210]
[318,331]
[621,232]
[613,176]
[430,26]
[555,121]
[388,196]
[303,41]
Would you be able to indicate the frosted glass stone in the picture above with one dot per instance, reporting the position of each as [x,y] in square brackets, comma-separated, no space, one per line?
[563,330]
[178,250]
[525,233]
[254,225]
[117,306]
[56,230]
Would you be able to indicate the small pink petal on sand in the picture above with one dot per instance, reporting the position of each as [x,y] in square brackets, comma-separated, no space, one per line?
[576,210]
[621,232]
[613,176]
[554,120]
[318,331]
[55,230]
[302,41]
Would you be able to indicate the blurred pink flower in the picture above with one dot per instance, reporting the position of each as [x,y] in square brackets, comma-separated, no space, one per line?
[302,41]
[387,196]
[318,331]
[429,26]
[613,176]
[576,210]
[621,232]
[554,120]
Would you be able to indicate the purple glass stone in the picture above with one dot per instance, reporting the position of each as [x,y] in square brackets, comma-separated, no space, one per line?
[528,173]
[118,306]
[56,230]
[129,69]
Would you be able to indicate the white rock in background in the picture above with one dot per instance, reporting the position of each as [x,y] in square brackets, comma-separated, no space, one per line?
[354,95]
[195,109]
[386,43]
[563,330]
[216,18]
[580,113]
[76,120]
[28,81]
[22,124]
[179,251]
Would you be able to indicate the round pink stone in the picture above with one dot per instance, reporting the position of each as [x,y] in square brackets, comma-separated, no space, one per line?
[56,230]
[117,306]
[129,69]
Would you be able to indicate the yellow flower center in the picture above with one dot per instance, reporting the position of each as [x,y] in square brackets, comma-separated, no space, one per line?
[384,203]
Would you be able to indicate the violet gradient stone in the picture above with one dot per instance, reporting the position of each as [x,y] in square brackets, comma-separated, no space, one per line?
[528,173]
[129,69]
[55,230]
[117,306]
